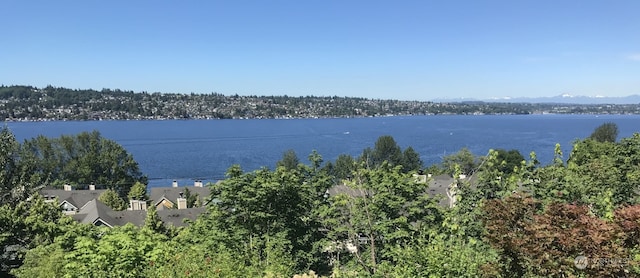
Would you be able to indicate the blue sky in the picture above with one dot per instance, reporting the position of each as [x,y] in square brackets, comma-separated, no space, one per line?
[410,50]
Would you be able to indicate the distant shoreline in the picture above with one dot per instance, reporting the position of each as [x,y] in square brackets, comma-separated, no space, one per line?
[311,118]
[27,104]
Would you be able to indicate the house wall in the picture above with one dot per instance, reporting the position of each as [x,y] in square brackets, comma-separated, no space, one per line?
[164,204]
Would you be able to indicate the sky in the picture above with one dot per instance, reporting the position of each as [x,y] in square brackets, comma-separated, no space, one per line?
[407,50]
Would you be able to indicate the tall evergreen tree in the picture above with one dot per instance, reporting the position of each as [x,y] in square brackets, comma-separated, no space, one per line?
[607,132]
[289,160]
[386,149]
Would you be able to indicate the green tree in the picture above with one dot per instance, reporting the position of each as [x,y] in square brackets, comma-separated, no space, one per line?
[316,160]
[261,208]
[386,149]
[138,192]
[83,159]
[603,175]
[17,178]
[289,160]
[45,261]
[435,254]
[495,178]
[153,222]
[411,160]
[607,132]
[192,199]
[378,208]
[111,198]
[464,158]
[24,225]
[124,251]
[344,165]
[509,160]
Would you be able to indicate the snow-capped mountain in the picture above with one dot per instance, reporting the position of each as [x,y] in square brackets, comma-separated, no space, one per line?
[564,98]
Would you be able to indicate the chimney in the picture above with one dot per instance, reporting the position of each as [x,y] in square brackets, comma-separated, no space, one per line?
[175,183]
[92,186]
[67,187]
[132,204]
[137,205]
[182,203]
[197,183]
[419,178]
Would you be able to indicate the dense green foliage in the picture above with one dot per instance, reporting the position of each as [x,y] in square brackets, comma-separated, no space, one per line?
[387,150]
[289,160]
[17,178]
[26,221]
[112,199]
[138,192]
[512,218]
[80,160]
[464,161]
[607,132]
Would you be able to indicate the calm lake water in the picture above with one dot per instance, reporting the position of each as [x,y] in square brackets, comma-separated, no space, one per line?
[204,149]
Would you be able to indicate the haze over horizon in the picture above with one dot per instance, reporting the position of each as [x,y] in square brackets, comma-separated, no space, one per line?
[410,50]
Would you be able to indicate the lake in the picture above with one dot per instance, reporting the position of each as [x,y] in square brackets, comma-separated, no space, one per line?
[185,150]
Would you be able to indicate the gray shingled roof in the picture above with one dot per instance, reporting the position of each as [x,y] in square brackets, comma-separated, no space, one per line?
[172,193]
[438,186]
[176,217]
[77,198]
[95,210]
[135,217]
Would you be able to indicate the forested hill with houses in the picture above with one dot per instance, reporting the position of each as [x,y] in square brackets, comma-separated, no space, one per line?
[28,103]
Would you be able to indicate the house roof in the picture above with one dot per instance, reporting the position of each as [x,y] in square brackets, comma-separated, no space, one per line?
[77,198]
[173,193]
[344,189]
[176,217]
[95,211]
[437,186]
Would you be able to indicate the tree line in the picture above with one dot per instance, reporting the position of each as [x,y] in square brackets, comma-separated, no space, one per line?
[57,103]
[513,217]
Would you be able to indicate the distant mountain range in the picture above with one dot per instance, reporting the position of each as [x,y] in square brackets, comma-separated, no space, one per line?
[564,98]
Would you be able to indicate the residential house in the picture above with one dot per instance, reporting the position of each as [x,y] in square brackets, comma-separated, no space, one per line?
[99,214]
[71,200]
[443,186]
[84,206]
[175,196]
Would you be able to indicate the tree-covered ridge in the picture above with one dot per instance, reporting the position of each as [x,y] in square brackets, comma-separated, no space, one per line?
[578,217]
[54,103]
